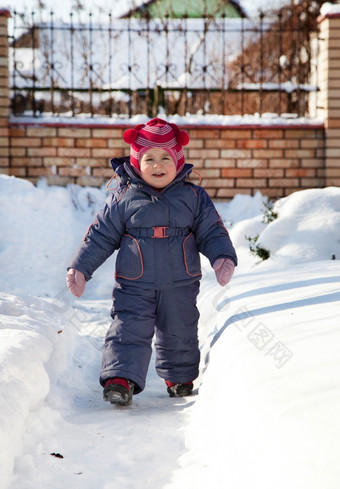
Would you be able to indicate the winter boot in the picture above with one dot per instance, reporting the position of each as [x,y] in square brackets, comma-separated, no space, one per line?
[118,391]
[179,390]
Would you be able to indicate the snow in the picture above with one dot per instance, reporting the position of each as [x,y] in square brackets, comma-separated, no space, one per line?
[265,119]
[288,87]
[254,7]
[266,413]
[330,9]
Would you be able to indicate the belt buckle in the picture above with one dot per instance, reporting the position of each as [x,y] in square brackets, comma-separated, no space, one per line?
[159,232]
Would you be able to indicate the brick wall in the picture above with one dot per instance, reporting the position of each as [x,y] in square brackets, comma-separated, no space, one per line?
[329,82]
[276,160]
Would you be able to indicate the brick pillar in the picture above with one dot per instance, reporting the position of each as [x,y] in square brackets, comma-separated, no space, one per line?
[329,101]
[4,93]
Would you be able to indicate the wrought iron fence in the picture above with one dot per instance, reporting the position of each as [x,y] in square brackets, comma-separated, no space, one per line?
[127,66]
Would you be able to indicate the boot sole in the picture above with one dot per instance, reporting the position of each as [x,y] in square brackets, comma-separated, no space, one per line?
[116,398]
[180,391]
[118,394]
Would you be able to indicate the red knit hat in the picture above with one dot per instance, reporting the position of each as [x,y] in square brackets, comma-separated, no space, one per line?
[156,134]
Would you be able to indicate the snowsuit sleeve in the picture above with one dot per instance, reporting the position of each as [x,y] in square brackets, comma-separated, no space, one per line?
[212,238]
[101,240]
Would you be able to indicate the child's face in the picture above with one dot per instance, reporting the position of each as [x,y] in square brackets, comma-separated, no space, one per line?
[157,167]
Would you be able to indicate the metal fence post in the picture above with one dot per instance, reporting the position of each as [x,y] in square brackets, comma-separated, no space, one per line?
[4,93]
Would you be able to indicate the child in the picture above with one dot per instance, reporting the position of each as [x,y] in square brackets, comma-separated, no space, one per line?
[160,223]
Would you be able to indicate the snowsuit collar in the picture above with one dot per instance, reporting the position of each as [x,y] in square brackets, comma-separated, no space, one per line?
[123,168]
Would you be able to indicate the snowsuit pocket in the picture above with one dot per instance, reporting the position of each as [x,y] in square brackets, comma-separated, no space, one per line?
[129,264]
[191,256]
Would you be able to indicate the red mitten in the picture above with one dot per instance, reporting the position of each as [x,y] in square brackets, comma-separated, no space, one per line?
[224,270]
[75,281]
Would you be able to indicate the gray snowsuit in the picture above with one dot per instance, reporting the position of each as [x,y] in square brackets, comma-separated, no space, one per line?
[159,235]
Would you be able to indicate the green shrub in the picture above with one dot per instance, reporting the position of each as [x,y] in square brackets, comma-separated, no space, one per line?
[268,213]
[268,216]
[255,249]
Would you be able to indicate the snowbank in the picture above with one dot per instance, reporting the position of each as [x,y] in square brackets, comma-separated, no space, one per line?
[44,227]
[35,348]
[266,414]
[306,229]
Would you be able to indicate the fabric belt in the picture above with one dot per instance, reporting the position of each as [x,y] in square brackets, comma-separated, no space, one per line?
[157,232]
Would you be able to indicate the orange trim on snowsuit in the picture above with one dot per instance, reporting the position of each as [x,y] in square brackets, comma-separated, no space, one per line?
[141,261]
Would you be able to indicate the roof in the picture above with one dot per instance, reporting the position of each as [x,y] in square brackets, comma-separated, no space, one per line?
[178,9]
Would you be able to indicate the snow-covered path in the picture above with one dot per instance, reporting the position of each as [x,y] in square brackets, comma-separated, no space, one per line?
[101,445]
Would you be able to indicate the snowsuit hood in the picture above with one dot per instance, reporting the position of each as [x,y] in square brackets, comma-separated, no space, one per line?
[126,172]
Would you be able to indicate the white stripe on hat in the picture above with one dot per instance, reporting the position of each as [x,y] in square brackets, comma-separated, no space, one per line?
[162,131]
[152,144]
[134,153]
